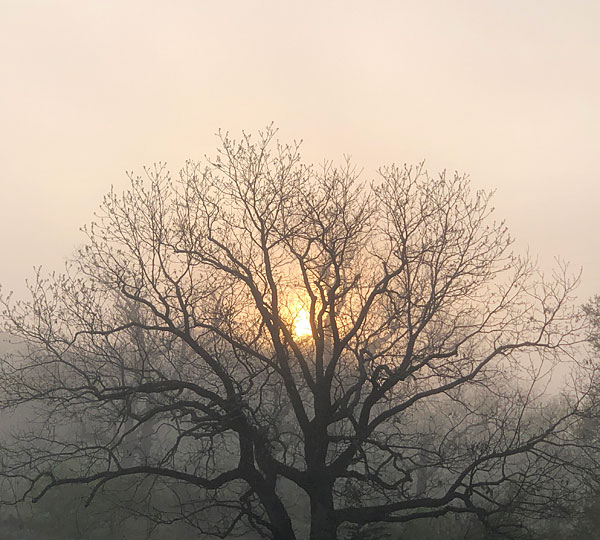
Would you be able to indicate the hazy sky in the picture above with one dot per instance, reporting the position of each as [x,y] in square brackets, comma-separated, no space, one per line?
[507,91]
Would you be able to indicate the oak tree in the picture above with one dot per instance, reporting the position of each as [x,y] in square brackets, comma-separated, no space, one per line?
[258,343]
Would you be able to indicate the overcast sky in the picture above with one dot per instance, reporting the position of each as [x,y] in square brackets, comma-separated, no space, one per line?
[507,91]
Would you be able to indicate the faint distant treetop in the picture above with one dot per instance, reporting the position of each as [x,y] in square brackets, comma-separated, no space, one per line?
[592,312]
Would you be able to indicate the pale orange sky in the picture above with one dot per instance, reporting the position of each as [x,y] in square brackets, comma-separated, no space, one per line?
[508,91]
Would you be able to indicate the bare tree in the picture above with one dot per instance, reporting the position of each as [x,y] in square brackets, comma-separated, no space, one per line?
[256,333]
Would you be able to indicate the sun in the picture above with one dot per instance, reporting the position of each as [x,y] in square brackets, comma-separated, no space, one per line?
[302,324]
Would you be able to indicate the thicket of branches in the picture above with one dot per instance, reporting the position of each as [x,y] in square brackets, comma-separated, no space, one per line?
[169,354]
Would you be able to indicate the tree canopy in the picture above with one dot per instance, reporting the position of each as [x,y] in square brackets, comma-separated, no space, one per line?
[261,344]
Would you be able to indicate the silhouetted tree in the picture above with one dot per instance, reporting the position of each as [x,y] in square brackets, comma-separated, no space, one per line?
[257,336]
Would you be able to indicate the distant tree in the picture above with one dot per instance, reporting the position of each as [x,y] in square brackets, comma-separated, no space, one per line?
[592,313]
[258,342]
[587,523]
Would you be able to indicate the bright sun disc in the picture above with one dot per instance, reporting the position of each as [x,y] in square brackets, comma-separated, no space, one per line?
[302,324]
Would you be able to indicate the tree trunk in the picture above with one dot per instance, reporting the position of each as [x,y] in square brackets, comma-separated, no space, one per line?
[282,529]
[281,524]
[322,522]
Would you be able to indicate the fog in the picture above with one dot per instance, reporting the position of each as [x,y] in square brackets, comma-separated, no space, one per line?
[505,91]
[350,366]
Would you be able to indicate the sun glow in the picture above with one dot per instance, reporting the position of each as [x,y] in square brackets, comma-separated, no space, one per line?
[302,324]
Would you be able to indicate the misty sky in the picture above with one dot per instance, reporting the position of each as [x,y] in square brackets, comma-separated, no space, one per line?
[507,91]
